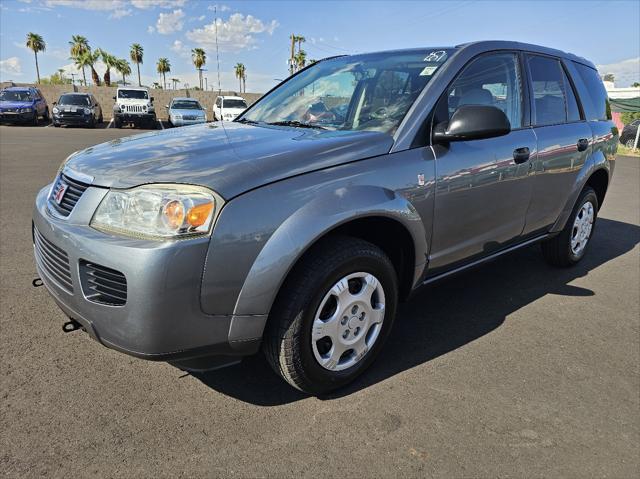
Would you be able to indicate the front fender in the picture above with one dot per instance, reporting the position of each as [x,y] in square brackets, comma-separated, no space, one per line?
[308,224]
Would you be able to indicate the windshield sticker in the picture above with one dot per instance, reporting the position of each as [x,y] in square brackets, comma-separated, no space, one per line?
[428,71]
[437,56]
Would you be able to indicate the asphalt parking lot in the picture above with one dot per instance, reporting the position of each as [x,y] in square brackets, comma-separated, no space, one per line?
[515,369]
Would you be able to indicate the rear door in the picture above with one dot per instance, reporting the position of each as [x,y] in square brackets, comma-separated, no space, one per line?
[564,140]
[482,192]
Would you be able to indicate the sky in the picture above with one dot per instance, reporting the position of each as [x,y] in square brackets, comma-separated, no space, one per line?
[256,33]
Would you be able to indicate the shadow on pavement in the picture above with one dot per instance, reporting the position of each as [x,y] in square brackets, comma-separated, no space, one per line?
[445,316]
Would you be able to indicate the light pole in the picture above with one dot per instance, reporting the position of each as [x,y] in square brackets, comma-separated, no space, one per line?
[206,84]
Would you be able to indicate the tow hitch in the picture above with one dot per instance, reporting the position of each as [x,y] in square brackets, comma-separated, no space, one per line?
[71,326]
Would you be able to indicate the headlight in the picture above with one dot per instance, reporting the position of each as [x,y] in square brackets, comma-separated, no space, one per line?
[87,111]
[25,110]
[177,116]
[116,107]
[56,110]
[158,211]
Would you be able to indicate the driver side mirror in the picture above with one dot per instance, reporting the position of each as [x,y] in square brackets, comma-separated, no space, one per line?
[152,99]
[55,103]
[472,122]
[114,97]
[166,106]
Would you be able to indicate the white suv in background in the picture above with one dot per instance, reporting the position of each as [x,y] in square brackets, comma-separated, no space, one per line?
[227,108]
[134,106]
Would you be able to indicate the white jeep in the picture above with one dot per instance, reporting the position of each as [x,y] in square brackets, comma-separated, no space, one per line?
[134,106]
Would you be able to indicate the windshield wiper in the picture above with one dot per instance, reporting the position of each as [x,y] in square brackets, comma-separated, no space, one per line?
[297,124]
[250,122]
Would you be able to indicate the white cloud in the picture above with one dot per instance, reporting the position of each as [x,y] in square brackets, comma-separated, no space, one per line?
[170,22]
[11,66]
[115,5]
[625,72]
[144,4]
[120,13]
[151,29]
[220,8]
[101,5]
[201,17]
[235,34]
[180,48]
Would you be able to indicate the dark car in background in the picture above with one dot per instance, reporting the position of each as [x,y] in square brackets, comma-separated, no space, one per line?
[22,105]
[629,132]
[80,109]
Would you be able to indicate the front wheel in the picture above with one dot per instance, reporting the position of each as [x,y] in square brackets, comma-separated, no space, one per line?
[332,315]
[570,246]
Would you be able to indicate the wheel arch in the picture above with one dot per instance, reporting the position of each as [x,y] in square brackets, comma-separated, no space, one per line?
[375,215]
[599,181]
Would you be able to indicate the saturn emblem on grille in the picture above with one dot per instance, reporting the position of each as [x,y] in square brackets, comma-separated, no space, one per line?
[59,191]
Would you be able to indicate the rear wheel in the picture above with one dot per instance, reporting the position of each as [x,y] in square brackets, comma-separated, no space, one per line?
[332,316]
[117,122]
[570,246]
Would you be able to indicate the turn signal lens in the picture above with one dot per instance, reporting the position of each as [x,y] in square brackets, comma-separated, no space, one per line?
[174,214]
[198,215]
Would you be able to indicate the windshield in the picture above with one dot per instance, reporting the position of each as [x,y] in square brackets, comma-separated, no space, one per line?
[361,92]
[133,94]
[234,104]
[74,100]
[186,105]
[15,96]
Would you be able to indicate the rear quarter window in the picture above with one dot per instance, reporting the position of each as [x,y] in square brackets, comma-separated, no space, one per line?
[594,96]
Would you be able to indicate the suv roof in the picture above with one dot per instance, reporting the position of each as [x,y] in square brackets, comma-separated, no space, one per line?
[230,97]
[488,45]
[133,88]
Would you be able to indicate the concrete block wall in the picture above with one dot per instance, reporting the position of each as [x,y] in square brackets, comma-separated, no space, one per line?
[105,95]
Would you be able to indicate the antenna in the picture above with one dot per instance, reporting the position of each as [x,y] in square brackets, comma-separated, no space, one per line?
[215,13]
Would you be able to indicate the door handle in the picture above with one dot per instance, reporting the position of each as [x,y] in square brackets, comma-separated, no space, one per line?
[520,155]
[583,144]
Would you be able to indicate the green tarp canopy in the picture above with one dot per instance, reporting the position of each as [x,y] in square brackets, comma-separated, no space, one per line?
[626,104]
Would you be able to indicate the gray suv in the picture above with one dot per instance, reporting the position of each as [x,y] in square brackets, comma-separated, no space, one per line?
[297,228]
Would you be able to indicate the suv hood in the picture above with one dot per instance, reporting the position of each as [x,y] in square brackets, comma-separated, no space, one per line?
[229,159]
[16,104]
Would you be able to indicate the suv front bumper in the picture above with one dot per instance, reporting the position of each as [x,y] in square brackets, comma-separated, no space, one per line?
[134,117]
[162,318]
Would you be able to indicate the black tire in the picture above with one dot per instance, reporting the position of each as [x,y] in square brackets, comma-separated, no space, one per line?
[56,125]
[557,250]
[36,120]
[287,343]
[117,123]
[46,114]
[630,142]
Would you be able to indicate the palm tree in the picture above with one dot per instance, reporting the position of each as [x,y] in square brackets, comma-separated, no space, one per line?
[92,58]
[163,67]
[300,59]
[199,58]
[123,67]
[156,85]
[110,62]
[300,39]
[240,71]
[79,46]
[175,82]
[136,53]
[81,61]
[37,44]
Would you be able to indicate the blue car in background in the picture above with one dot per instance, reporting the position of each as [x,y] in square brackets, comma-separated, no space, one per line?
[185,111]
[23,105]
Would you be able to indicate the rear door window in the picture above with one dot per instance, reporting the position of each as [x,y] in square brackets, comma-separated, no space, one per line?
[595,101]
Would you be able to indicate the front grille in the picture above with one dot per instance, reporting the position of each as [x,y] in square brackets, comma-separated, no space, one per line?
[103,285]
[133,108]
[189,117]
[71,195]
[53,260]
[73,114]
[10,110]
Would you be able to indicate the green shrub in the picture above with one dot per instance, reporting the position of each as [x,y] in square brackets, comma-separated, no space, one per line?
[628,116]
